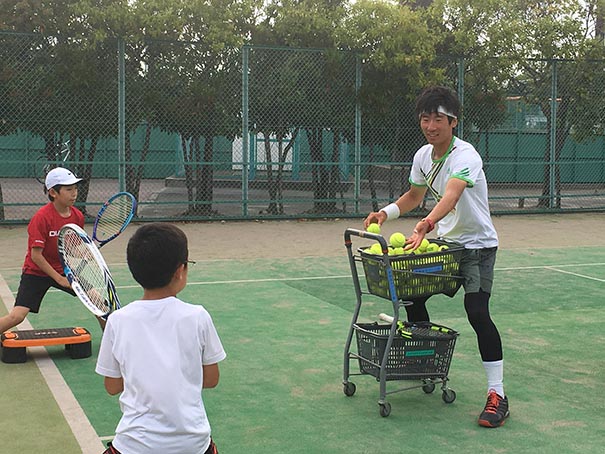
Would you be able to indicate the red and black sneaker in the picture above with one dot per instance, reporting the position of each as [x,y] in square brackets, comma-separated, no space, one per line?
[496,410]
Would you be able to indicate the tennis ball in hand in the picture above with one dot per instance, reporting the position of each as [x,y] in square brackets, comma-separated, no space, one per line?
[397,239]
[374,228]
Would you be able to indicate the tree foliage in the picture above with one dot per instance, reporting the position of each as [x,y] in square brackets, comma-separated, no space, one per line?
[184,58]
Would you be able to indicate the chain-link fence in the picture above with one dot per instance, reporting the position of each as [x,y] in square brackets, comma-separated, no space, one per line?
[261,132]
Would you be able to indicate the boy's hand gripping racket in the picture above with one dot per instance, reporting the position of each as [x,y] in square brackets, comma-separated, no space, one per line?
[113,217]
[87,271]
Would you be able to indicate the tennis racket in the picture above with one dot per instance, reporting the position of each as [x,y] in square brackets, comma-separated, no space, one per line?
[87,271]
[401,328]
[113,217]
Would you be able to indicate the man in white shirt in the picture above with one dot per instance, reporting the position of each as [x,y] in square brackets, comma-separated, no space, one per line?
[452,171]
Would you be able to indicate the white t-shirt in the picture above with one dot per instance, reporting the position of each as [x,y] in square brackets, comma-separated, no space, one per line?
[469,222]
[159,347]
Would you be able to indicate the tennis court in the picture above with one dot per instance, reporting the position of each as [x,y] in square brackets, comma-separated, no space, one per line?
[281,296]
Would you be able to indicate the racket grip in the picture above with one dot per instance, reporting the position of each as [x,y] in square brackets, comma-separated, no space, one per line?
[385,317]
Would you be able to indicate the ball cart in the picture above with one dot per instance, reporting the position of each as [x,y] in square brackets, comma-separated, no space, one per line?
[419,353]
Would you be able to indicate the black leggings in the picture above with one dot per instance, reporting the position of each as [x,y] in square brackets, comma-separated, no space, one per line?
[477,312]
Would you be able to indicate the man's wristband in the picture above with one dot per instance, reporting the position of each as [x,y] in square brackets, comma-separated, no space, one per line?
[392,211]
[430,223]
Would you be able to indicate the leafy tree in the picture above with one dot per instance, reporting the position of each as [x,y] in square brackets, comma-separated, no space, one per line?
[397,48]
[309,88]
[535,43]
[191,87]
[66,79]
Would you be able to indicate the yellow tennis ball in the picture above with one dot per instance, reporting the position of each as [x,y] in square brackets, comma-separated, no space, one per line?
[375,249]
[374,228]
[432,247]
[398,251]
[443,247]
[397,239]
[423,245]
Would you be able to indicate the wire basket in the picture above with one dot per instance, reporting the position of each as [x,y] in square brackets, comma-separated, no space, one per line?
[425,351]
[415,276]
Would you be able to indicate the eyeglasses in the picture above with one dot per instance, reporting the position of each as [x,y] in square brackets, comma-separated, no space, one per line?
[189,262]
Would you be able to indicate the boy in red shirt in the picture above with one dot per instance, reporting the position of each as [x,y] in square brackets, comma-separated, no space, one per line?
[42,267]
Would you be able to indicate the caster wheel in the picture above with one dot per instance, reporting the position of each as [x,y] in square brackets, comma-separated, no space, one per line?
[429,387]
[385,409]
[448,396]
[349,388]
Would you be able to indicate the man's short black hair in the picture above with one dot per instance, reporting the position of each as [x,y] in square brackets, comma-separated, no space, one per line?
[154,253]
[432,98]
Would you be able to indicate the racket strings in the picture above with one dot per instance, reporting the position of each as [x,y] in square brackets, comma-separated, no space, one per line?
[87,272]
[114,218]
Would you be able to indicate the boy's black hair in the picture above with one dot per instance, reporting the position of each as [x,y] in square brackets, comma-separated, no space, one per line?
[56,187]
[154,253]
[432,98]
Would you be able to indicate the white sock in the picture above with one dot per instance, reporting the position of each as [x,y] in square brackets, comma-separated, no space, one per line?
[495,373]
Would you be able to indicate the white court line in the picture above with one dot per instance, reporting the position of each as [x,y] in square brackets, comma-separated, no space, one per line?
[85,434]
[83,431]
[575,274]
[314,278]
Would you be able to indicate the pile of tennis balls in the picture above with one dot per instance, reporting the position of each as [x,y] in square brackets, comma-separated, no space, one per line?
[397,244]
[408,284]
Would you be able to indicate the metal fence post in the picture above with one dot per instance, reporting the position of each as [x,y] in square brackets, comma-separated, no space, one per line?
[245,131]
[121,116]
[460,130]
[553,133]
[357,189]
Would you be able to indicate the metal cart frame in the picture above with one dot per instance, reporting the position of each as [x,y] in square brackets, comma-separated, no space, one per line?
[426,381]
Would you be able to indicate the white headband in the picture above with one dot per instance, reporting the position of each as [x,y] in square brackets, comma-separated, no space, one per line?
[444,111]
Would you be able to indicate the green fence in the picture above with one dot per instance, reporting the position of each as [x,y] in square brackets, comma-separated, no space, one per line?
[265,133]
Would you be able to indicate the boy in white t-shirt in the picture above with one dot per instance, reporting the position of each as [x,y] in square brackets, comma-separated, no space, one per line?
[159,352]
[452,171]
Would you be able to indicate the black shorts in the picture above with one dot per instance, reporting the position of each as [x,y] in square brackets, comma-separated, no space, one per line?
[33,288]
[111,450]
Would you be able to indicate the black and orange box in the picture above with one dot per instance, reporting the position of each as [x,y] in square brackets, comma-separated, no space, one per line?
[77,342]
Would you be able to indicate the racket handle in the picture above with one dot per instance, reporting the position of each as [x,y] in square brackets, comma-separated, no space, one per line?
[385,317]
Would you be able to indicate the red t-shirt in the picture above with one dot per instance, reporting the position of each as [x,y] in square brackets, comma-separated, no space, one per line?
[43,231]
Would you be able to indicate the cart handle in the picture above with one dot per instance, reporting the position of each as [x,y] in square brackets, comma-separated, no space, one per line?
[365,234]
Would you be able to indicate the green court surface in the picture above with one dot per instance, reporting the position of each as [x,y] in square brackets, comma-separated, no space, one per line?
[284,323]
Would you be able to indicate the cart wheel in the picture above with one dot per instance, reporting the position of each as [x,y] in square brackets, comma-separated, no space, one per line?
[449,396]
[349,388]
[385,409]
[428,387]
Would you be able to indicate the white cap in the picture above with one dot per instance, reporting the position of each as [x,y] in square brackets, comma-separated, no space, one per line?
[60,176]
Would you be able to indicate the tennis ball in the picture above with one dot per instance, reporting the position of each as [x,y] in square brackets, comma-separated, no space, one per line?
[398,251]
[443,247]
[397,239]
[432,247]
[375,249]
[423,245]
[374,228]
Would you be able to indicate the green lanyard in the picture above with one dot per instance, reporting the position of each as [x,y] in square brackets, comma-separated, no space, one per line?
[449,150]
